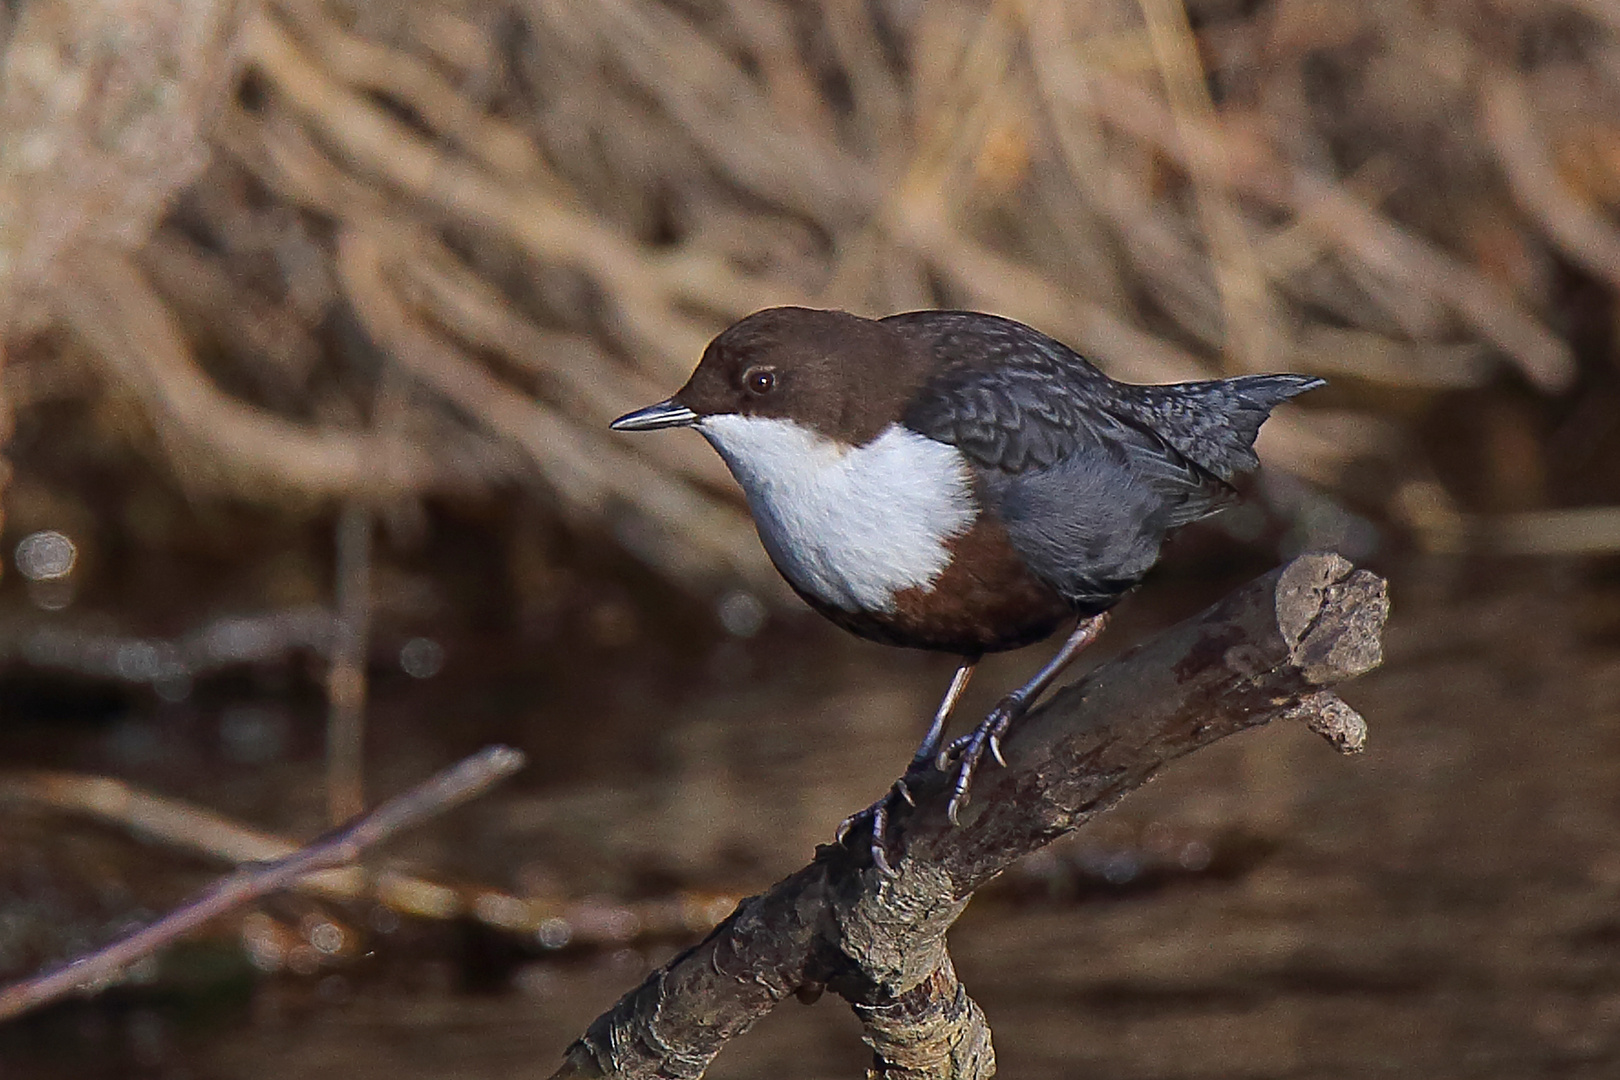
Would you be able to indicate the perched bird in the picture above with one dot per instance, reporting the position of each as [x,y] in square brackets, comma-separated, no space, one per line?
[960,482]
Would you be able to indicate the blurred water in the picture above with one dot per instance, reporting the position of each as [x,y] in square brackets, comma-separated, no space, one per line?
[1447,905]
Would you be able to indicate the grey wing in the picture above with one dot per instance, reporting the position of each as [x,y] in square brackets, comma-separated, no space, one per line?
[1006,395]
[1084,525]
[1088,474]
[1012,398]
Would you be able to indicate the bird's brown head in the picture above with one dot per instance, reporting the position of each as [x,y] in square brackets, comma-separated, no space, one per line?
[836,373]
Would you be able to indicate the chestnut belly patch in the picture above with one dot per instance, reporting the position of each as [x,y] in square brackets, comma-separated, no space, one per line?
[984,600]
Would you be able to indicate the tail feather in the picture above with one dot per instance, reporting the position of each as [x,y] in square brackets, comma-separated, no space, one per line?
[1214,424]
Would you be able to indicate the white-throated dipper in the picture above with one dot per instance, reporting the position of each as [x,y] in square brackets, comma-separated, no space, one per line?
[961,482]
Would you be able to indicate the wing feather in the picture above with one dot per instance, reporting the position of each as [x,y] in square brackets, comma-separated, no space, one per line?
[1088,473]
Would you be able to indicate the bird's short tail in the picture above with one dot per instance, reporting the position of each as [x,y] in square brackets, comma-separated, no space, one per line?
[1214,424]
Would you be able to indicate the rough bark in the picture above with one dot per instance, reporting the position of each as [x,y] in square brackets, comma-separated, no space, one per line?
[1271,650]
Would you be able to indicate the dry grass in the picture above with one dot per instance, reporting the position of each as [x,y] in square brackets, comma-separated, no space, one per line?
[537,215]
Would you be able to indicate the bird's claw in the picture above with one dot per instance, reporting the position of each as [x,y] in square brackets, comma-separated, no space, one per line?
[880,858]
[968,751]
[878,815]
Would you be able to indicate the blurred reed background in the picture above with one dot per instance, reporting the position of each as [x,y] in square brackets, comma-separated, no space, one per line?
[313,315]
[316,252]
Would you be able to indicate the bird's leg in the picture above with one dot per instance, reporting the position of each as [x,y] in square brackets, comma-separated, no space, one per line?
[927,751]
[969,749]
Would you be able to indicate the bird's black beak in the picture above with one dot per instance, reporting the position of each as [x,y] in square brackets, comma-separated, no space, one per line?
[662,415]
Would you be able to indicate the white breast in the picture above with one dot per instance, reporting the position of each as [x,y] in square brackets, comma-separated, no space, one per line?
[851,527]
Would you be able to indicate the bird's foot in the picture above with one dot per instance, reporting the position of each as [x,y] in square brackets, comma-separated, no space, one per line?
[969,750]
[878,816]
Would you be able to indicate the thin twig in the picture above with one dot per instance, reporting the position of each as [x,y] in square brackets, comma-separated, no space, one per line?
[433,796]
[185,826]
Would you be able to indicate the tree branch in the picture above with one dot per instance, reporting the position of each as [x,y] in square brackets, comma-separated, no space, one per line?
[1270,650]
[433,796]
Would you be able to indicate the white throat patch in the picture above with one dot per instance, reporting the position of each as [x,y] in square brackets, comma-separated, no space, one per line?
[851,527]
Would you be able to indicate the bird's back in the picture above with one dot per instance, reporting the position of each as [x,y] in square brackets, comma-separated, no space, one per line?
[1086,474]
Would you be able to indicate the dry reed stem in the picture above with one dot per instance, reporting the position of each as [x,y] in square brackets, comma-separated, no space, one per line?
[695,534]
[574,373]
[110,304]
[213,307]
[103,109]
[103,106]
[719,107]
[1377,242]
[658,170]
[1251,341]
[1586,530]
[1591,238]
[496,144]
[577,378]
[647,291]
[693,538]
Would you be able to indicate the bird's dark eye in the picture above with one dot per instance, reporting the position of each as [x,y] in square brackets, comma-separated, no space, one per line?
[759,380]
